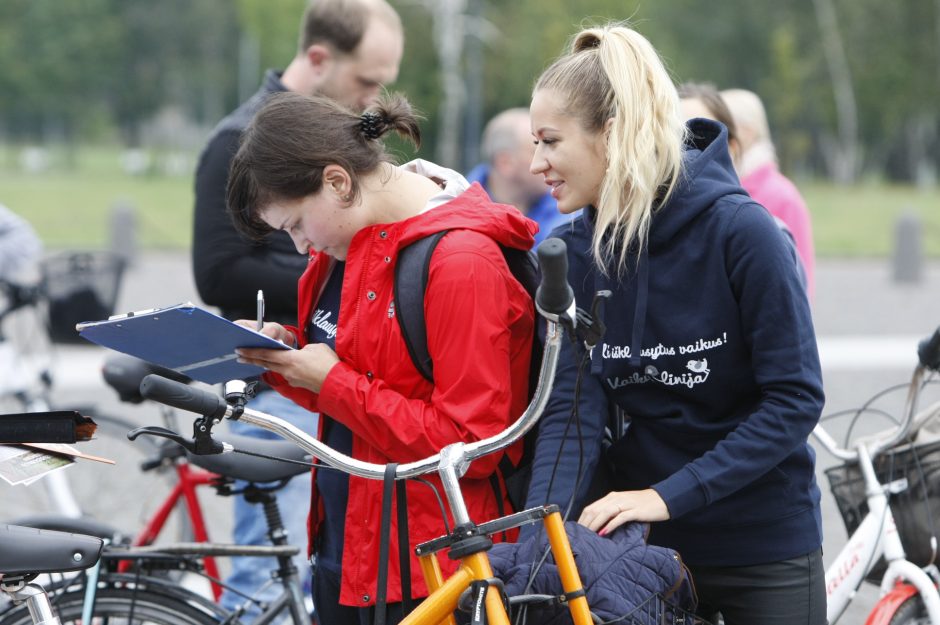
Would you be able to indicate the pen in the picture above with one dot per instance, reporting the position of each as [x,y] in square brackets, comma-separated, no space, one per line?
[260,316]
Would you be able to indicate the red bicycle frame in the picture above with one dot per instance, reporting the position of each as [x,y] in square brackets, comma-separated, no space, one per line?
[188,480]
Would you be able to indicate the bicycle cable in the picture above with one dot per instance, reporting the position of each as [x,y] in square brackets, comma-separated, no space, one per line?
[866,407]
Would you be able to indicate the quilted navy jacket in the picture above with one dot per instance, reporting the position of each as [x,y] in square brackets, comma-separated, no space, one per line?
[620,573]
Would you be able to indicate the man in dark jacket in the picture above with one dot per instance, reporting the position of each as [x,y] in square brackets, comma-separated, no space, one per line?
[348,49]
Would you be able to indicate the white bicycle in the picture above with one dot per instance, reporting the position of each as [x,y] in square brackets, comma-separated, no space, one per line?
[909,593]
[35,319]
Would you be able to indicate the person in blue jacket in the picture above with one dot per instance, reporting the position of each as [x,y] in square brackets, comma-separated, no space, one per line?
[708,378]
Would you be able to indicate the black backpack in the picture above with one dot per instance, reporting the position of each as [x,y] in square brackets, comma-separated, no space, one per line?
[411,281]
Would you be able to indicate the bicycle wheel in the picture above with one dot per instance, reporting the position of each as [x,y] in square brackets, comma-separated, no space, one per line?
[911,612]
[149,605]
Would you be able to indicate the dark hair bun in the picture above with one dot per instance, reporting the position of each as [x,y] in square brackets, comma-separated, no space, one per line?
[391,111]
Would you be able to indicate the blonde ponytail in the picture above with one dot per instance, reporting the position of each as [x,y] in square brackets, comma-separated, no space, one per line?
[614,82]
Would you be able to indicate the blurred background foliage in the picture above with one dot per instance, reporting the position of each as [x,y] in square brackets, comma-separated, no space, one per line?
[107,93]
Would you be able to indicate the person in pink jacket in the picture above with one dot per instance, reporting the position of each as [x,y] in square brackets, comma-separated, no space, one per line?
[319,172]
[761,178]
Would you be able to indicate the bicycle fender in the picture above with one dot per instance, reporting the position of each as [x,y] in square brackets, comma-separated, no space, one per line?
[884,610]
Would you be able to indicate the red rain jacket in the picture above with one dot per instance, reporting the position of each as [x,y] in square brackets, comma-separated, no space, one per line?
[479,328]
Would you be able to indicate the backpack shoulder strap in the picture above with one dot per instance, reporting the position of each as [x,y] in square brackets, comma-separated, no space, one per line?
[411,281]
[524,267]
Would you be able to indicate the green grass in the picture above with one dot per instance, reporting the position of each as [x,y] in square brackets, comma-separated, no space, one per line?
[860,221]
[71,206]
[72,211]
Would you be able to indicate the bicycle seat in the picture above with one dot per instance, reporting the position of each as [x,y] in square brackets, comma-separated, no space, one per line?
[26,551]
[83,525]
[250,468]
[124,373]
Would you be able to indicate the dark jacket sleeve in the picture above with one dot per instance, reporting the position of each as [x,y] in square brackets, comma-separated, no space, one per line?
[568,447]
[228,268]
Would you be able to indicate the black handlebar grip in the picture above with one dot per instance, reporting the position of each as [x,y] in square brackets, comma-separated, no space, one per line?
[554,295]
[184,397]
[928,351]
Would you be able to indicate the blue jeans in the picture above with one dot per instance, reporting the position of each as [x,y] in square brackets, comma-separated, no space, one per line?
[248,574]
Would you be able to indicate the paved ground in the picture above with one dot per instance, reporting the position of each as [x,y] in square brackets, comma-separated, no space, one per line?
[867,325]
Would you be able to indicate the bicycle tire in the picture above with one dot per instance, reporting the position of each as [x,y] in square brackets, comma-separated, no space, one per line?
[149,604]
[912,611]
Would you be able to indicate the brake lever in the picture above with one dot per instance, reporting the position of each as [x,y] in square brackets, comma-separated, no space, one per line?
[161,432]
[201,444]
[590,327]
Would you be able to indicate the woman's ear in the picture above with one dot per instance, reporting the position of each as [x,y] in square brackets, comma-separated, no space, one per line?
[337,180]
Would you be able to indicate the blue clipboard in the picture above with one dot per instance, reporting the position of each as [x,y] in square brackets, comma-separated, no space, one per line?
[185,338]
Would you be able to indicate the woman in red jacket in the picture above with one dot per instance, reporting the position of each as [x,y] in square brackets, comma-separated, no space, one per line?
[316,170]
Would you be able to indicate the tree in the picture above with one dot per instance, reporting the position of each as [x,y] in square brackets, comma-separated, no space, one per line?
[61,51]
[842,152]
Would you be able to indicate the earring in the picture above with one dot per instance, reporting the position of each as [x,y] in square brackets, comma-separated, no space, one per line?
[348,198]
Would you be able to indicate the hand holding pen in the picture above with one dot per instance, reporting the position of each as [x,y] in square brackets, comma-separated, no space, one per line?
[274,330]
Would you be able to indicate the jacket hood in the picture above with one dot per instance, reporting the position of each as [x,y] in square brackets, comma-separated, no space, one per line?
[471,210]
[707,175]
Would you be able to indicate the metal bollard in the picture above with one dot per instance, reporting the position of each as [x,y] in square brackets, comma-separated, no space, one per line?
[124,231]
[908,257]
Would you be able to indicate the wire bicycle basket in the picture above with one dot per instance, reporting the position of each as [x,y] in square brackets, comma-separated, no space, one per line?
[658,609]
[916,508]
[79,286]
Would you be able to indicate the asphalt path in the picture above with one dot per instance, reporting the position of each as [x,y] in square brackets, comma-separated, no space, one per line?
[867,326]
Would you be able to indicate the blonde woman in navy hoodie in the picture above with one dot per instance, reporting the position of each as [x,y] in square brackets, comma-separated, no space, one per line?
[709,351]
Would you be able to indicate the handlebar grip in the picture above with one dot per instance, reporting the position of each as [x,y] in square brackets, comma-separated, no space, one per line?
[928,351]
[554,295]
[182,396]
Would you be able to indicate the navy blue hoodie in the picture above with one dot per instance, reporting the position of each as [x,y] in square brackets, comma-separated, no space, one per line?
[710,351]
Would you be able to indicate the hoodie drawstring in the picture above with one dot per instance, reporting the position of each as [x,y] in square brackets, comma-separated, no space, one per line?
[639,312]
[641,287]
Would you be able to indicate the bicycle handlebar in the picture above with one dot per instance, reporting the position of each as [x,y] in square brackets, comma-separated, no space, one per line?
[928,354]
[184,397]
[555,302]
[467,452]
[554,295]
[928,351]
